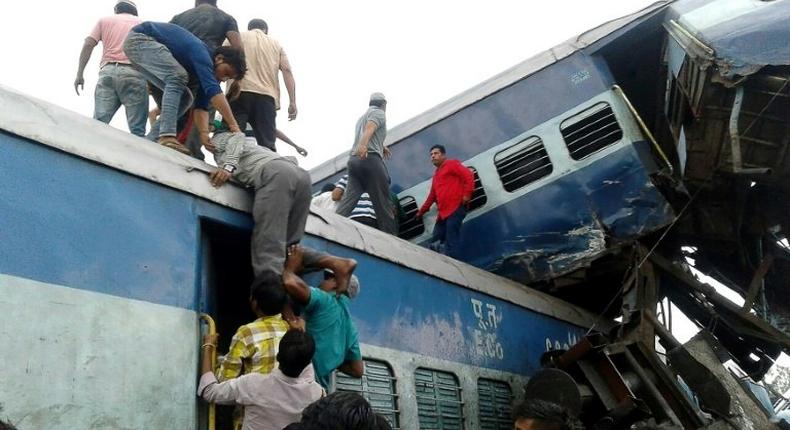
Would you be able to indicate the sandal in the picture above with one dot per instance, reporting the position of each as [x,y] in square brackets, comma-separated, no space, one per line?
[174,144]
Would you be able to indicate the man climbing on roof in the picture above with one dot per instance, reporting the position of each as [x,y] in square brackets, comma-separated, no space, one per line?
[169,56]
[119,83]
[451,189]
[327,317]
[367,172]
[280,206]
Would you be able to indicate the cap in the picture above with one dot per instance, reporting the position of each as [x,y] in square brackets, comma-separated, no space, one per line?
[129,2]
[377,97]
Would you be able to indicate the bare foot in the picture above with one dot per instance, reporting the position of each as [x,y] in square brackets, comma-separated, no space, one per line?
[343,268]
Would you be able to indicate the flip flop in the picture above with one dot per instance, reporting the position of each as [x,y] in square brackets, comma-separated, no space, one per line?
[175,145]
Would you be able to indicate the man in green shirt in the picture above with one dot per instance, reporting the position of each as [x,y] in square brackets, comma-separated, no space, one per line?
[327,318]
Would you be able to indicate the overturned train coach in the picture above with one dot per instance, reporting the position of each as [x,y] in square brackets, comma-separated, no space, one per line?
[668,115]
[112,246]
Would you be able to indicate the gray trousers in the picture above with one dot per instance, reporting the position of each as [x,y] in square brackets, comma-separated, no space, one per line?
[369,175]
[280,210]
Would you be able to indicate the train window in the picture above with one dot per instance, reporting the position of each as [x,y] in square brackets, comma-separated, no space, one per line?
[494,398]
[590,130]
[522,163]
[479,195]
[377,385]
[439,404]
[410,226]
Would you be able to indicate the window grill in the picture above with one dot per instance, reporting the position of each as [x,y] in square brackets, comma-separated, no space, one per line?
[439,405]
[479,195]
[523,163]
[590,130]
[377,385]
[494,398]
[410,225]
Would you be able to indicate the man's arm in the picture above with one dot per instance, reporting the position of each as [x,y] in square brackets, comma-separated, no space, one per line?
[290,84]
[353,368]
[235,40]
[468,180]
[294,285]
[362,149]
[428,202]
[85,55]
[221,103]
[225,393]
[280,135]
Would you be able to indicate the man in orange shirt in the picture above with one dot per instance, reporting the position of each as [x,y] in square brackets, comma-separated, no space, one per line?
[451,190]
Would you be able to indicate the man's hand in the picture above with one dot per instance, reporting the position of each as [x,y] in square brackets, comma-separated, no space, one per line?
[210,339]
[293,261]
[296,324]
[292,112]
[466,199]
[362,151]
[234,91]
[418,215]
[387,152]
[79,83]
[234,128]
[219,177]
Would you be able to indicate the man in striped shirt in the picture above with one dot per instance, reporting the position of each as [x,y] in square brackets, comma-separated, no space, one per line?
[363,212]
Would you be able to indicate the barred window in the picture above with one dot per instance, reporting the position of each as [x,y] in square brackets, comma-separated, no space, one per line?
[494,398]
[410,226]
[479,195]
[590,130]
[377,385]
[439,404]
[523,163]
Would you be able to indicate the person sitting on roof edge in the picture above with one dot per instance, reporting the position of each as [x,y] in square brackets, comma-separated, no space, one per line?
[169,56]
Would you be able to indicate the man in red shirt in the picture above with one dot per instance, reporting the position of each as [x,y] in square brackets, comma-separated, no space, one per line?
[451,189]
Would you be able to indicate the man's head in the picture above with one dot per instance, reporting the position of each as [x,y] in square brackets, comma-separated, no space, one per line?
[534,414]
[378,100]
[328,187]
[126,6]
[258,24]
[267,294]
[329,284]
[229,63]
[295,352]
[341,410]
[438,155]
[209,2]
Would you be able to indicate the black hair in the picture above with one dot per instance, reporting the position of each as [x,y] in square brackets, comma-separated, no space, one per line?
[268,292]
[211,2]
[378,103]
[382,423]
[125,8]
[328,187]
[296,351]
[258,24]
[341,410]
[547,415]
[439,147]
[233,57]
[6,426]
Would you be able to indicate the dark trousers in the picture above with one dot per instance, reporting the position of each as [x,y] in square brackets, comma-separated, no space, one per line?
[259,111]
[369,175]
[448,232]
[368,221]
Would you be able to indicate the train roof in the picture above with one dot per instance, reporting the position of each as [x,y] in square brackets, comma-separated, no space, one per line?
[69,132]
[496,83]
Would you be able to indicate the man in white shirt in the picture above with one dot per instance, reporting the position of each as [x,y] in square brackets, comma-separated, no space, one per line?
[271,401]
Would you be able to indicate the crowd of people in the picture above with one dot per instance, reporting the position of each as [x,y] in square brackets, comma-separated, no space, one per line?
[278,366]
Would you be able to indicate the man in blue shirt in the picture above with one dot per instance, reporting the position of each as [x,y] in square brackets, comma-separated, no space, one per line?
[169,57]
[327,318]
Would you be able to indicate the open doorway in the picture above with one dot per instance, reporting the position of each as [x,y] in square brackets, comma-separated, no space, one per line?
[226,277]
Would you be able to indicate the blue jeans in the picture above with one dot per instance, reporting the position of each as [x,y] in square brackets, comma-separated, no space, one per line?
[122,85]
[447,232]
[161,69]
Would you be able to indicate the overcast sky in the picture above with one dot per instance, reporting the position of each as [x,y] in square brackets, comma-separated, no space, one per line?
[419,53]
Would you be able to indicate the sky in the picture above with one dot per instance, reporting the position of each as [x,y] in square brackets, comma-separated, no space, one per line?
[419,53]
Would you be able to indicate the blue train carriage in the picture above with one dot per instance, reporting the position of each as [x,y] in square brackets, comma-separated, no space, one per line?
[563,165]
[111,246]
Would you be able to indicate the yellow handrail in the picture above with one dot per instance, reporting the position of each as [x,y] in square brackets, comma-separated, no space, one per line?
[643,127]
[212,408]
